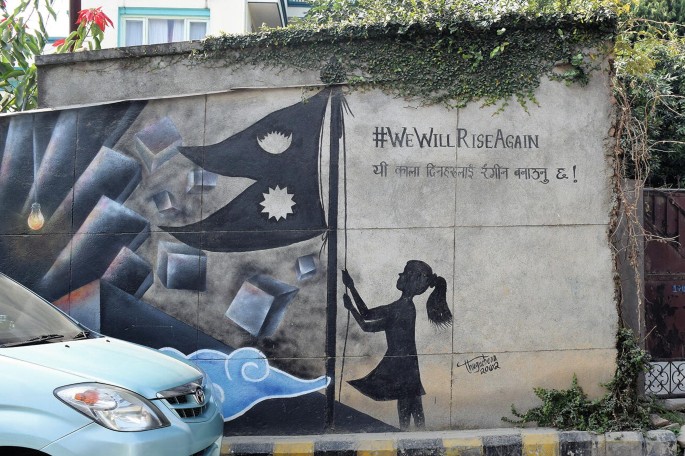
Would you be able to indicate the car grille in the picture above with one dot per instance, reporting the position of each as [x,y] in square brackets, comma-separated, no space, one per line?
[187,401]
[186,406]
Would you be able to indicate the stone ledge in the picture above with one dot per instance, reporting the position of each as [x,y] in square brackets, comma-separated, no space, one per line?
[500,442]
[149,50]
[674,404]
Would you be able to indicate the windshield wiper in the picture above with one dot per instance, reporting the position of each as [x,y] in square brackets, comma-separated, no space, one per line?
[82,335]
[34,340]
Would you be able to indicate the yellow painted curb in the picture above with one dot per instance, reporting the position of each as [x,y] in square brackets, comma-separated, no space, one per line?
[540,444]
[468,446]
[294,448]
[377,448]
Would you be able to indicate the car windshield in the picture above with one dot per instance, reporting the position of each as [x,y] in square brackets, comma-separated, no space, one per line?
[27,319]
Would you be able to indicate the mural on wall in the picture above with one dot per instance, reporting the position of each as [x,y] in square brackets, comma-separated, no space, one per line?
[216,227]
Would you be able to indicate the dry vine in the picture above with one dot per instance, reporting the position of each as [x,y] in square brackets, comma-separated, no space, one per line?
[630,150]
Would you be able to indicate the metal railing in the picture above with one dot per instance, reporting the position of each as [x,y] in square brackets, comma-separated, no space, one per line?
[666,379]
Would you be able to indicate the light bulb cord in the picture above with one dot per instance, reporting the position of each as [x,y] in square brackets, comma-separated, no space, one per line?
[35,168]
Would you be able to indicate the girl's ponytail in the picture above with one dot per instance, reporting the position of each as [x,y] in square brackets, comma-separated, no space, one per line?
[438,311]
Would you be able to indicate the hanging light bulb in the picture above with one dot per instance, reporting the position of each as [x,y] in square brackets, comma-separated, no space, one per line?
[36,219]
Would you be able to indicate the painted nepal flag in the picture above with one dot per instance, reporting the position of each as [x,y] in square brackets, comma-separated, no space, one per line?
[281,153]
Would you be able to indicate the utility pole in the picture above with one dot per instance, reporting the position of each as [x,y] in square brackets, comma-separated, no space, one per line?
[74,8]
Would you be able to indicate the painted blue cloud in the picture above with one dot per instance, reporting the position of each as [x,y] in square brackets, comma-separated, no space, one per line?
[244,378]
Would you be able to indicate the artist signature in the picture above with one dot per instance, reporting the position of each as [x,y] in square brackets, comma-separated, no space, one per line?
[482,364]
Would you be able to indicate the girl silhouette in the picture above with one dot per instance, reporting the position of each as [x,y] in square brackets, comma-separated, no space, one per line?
[397,376]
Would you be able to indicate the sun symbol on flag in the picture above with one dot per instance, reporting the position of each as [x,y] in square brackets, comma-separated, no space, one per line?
[278,203]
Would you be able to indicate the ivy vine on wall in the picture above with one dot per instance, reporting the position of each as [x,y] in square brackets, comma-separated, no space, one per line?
[447,60]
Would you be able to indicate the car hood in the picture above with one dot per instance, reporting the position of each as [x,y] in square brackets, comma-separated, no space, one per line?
[111,361]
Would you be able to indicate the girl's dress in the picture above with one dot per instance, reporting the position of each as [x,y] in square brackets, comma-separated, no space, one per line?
[397,375]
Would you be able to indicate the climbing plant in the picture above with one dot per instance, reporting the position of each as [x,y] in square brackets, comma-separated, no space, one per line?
[437,59]
[662,10]
[651,81]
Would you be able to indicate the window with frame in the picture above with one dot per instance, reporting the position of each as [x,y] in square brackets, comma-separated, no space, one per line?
[140,26]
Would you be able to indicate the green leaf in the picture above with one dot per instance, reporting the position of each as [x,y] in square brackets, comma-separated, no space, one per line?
[12,74]
[41,25]
[48,6]
[33,46]
[577,60]
[19,96]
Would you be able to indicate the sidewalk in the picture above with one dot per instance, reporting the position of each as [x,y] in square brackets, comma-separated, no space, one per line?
[494,442]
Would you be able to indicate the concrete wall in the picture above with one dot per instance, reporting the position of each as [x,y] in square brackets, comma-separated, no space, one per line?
[218,225]
[143,72]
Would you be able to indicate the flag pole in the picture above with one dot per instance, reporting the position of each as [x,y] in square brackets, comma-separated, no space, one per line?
[332,243]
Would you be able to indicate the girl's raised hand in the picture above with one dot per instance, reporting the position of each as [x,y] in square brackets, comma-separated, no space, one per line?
[347,302]
[347,279]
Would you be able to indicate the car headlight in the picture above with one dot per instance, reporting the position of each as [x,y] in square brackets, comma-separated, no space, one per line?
[112,407]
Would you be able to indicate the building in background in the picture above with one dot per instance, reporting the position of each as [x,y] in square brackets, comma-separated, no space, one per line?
[139,22]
